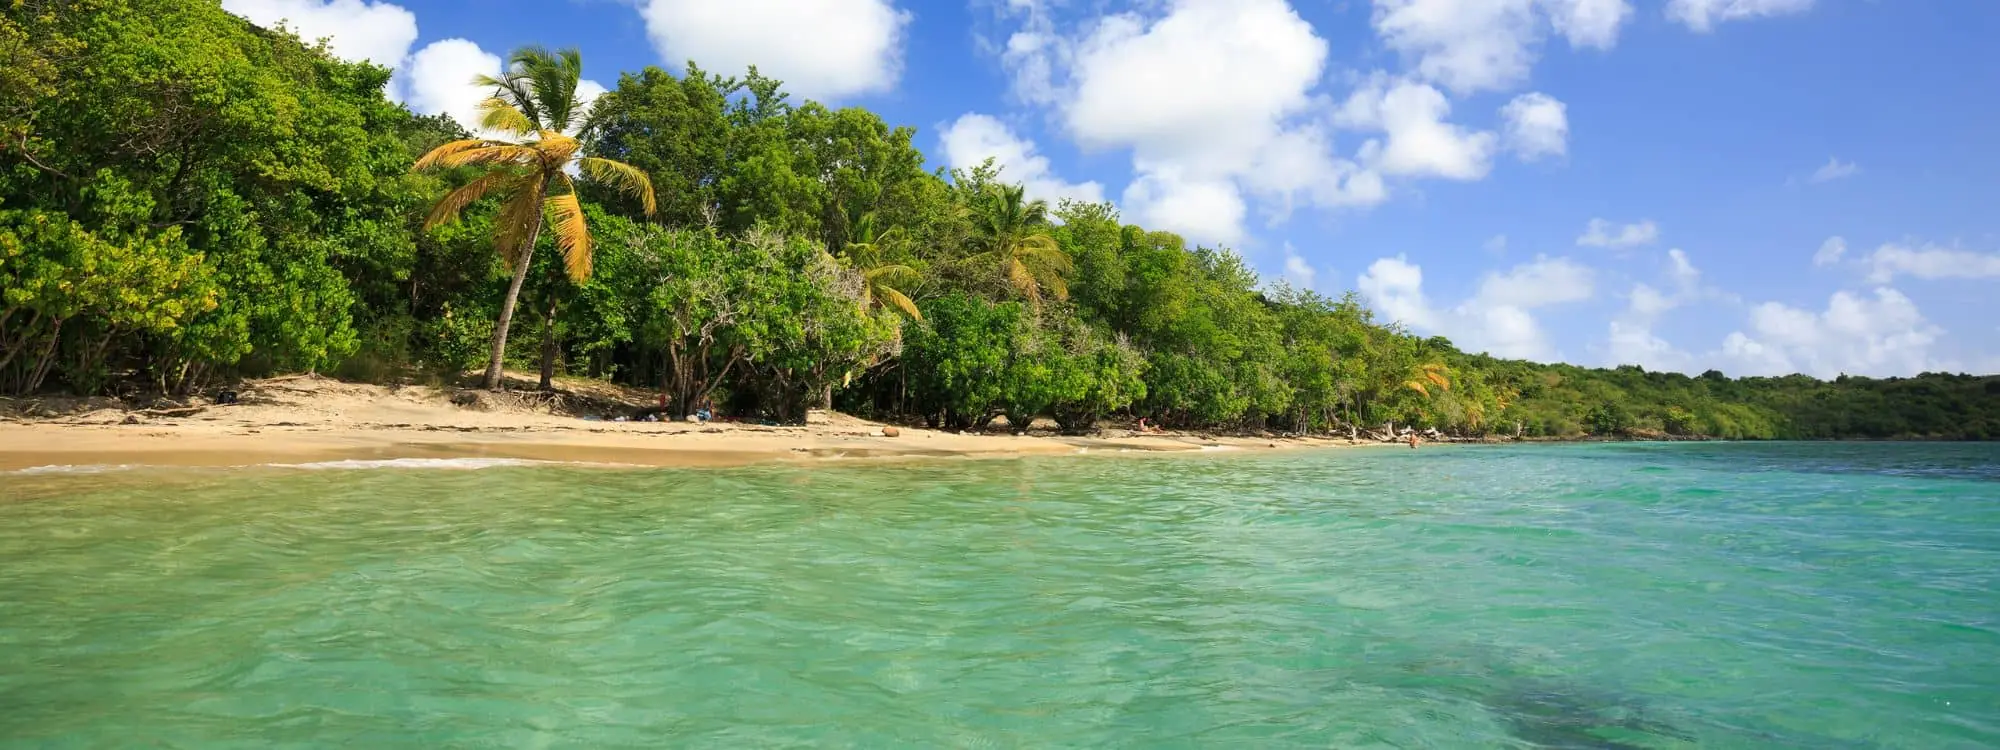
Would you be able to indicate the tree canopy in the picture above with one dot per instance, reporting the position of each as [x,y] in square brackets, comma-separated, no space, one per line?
[187,198]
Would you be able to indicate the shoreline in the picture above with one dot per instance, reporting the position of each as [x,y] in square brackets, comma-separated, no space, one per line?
[44,446]
[311,419]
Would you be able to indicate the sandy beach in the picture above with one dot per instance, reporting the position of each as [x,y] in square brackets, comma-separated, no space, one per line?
[308,419]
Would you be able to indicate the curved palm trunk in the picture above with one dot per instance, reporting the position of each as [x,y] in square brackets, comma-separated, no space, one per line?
[493,364]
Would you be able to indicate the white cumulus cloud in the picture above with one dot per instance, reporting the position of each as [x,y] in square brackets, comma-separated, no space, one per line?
[1298,271]
[1929,262]
[1419,142]
[1395,286]
[1475,45]
[1702,15]
[1632,340]
[1830,251]
[825,49]
[1879,334]
[1541,282]
[1588,23]
[378,32]
[1499,318]
[439,79]
[1537,126]
[1602,233]
[1213,98]
[974,137]
[1202,209]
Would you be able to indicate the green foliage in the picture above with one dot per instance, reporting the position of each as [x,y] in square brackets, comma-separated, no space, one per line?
[958,358]
[185,197]
[69,296]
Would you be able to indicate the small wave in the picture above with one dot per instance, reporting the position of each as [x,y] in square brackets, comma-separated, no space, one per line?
[414,463]
[461,464]
[72,469]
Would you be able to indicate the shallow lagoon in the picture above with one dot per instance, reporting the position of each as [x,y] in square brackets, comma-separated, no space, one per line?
[1710,595]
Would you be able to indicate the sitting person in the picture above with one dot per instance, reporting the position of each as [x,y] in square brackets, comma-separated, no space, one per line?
[704,410]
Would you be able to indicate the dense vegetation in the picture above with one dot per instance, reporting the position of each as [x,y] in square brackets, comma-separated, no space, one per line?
[186,198]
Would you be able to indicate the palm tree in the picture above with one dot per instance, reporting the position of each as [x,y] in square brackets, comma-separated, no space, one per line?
[1423,377]
[528,160]
[1012,234]
[881,280]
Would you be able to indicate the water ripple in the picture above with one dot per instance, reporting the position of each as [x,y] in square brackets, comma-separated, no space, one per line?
[1569,596]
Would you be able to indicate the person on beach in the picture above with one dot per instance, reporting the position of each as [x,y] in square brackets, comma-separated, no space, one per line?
[704,410]
[1413,441]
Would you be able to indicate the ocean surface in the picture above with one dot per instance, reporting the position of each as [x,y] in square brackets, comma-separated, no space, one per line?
[1574,596]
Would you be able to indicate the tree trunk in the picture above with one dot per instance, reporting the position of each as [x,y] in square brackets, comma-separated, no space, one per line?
[549,346]
[494,364]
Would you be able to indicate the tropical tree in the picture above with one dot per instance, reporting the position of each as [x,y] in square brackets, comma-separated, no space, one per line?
[882,281]
[1423,377]
[1012,235]
[527,159]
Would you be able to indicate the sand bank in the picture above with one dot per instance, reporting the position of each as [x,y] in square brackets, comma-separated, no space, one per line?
[310,419]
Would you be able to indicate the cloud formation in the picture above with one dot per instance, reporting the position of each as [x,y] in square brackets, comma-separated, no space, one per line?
[1214,100]
[1702,15]
[378,32]
[1929,262]
[824,49]
[1632,340]
[1877,334]
[1486,45]
[973,138]
[1537,126]
[1602,233]
[1499,318]
[1417,142]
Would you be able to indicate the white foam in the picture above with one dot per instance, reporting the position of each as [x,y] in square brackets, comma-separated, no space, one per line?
[1207,448]
[414,463]
[72,469]
[461,464]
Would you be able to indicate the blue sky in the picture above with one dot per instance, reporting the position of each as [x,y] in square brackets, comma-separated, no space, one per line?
[1759,186]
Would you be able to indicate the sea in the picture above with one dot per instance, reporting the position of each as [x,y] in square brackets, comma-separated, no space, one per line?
[1712,595]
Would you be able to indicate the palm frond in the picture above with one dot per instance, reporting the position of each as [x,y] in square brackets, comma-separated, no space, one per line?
[448,207]
[1416,385]
[518,219]
[572,234]
[891,276]
[554,78]
[621,176]
[430,159]
[1020,277]
[555,149]
[491,153]
[901,302]
[1056,285]
[513,89]
[497,114]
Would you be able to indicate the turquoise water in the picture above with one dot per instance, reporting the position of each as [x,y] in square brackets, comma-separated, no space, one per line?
[1812,596]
